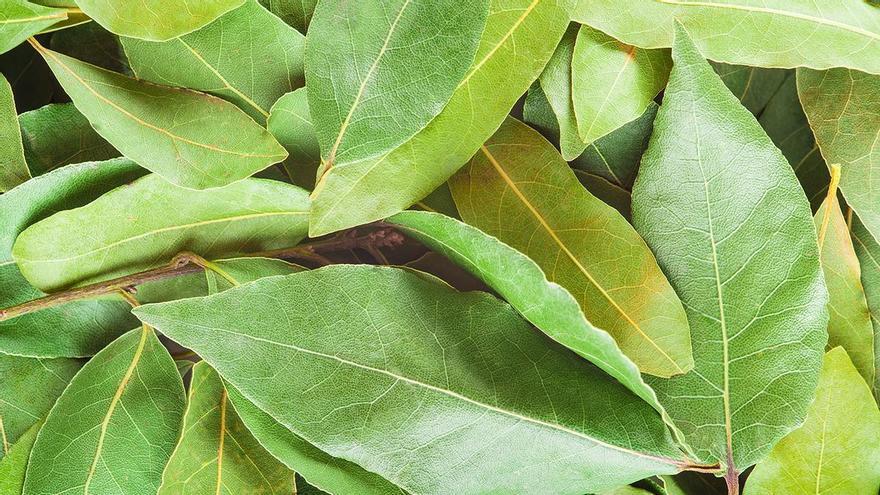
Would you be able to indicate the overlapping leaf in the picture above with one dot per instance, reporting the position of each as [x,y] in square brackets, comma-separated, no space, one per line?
[777,33]
[144,225]
[20,19]
[13,168]
[291,122]
[520,190]
[722,211]
[868,251]
[156,20]
[296,13]
[189,138]
[224,58]
[519,38]
[754,86]
[370,391]
[556,84]
[114,427]
[13,466]
[837,449]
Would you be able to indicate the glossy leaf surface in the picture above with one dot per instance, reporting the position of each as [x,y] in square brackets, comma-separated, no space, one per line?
[721,209]
[581,243]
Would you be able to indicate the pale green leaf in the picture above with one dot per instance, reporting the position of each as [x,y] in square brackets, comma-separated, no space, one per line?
[556,83]
[296,13]
[13,167]
[14,465]
[722,210]
[868,251]
[189,138]
[849,323]
[841,106]
[370,390]
[784,121]
[319,468]
[216,453]
[28,390]
[248,56]
[380,70]
[143,225]
[837,449]
[520,190]
[519,38]
[57,134]
[613,83]
[115,425]
[156,20]
[75,329]
[291,123]
[766,33]
[547,305]
[20,19]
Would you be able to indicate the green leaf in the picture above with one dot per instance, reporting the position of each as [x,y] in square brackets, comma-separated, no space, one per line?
[75,329]
[13,167]
[380,70]
[581,243]
[248,56]
[321,469]
[841,106]
[538,113]
[20,19]
[291,123]
[114,427]
[754,86]
[296,13]
[372,391]
[216,452]
[724,214]
[144,225]
[608,192]
[155,20]
[92,43]
[868,251]
[509,58]
[777,33]
[547,305]
[14,465]
[57,134]
[785,123]
[836,451]
[849,323]
[556,83]
[439,201]
[28,390]
[189,138]
[613,83]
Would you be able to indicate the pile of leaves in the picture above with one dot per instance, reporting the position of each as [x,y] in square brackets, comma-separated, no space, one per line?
[379,247]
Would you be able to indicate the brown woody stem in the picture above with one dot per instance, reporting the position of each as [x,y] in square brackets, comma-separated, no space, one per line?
[185,263]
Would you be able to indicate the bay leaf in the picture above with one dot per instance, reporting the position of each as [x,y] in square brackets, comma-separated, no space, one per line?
[145,224]
[556,83]
[75,329]
[319,468]
[155,20]
[290,121]
[775,33]
[31,80]
[190,138]
[20,19]
[57,134]
[28,390]
[115,425]
[754,86]
[439,201]
[92,43]
[837,449]
[538,113]
[216,453]
[223,58]
[509,58]
[841,106]
[613,83]
[370,391]
[608,192]
[13,167]
[296,13]
[13,466]
[722,210]
[868,251]
[786,124]
[581,243]
[379,70]
[849,323]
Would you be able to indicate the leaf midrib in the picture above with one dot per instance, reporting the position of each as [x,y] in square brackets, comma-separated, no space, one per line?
[552,233]
[161,231]
[771,11]
[449,393]
[59,15]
